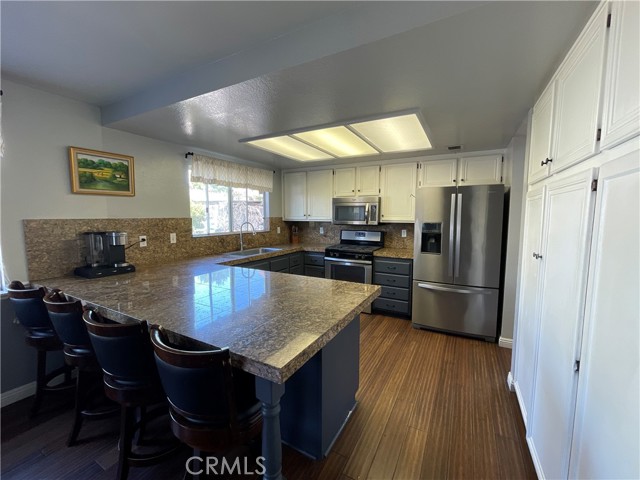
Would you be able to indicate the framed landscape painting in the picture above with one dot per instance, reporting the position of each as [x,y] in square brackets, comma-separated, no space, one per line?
[101,173]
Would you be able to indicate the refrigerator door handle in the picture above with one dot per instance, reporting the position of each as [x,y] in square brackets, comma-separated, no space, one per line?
[439,288]
[458,232]
[451,233]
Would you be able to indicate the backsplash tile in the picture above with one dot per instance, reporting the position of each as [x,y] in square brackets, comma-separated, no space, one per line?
[309,232]
[55,247]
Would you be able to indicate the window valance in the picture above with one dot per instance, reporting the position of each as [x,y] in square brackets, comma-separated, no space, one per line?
[220,172]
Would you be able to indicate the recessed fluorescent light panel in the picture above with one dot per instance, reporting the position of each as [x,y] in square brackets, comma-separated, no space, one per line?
[386,135]
[339,141]
[290,147]
[395,134]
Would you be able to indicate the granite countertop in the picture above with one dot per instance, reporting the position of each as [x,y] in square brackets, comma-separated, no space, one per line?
[272,322]
[394,253]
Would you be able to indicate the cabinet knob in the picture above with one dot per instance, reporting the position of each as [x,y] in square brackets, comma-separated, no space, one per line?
[454,180]
[353,191]
[462,179]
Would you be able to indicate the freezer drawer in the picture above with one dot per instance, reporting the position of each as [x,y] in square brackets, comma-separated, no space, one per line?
[451,308]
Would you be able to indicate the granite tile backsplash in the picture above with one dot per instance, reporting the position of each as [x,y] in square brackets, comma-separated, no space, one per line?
[309,232]
[54,247]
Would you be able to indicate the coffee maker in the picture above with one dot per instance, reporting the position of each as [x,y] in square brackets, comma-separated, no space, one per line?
[104,255]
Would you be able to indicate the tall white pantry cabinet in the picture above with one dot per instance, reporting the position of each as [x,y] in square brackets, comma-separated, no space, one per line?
[576,359]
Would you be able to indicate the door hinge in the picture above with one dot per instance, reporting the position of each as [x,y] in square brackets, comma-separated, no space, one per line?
[379,169]
[378,190]
[501,178]
[609,21]
[576,366]
[598,135]
[502,159]
[594,185]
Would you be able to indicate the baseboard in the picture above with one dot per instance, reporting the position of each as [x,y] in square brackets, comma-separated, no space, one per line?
[17,394]
[534,458]
[505,342]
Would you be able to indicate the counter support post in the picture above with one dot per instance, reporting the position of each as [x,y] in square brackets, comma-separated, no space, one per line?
[269,393]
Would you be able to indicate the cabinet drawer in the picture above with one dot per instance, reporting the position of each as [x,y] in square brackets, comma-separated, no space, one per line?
[394,293]
[396,306]
[297,270]
[295,259]
[313,271]
[314,259]
[280,264]
[392,266]
[389,280]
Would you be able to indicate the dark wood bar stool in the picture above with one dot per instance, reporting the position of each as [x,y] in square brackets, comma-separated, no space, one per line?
[32,314]
[131,379]
[66,317]
[213,406]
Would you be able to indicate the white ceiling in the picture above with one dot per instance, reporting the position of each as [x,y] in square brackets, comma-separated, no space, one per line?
[206,74]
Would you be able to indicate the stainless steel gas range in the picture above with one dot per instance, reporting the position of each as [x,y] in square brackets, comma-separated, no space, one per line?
[352,259]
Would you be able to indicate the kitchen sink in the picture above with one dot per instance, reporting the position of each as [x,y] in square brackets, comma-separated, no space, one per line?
[254,251]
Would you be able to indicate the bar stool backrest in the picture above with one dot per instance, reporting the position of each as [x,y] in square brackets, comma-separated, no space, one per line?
[29,308]
[66,317]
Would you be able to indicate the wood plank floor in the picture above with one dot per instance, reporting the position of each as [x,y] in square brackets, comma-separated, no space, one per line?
[430,406]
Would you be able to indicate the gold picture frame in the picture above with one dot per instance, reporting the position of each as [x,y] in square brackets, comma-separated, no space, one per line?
[101,173]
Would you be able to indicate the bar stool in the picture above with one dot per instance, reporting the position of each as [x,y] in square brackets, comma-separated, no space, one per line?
[131,379]
[66,317]
[213,406]
[31,313]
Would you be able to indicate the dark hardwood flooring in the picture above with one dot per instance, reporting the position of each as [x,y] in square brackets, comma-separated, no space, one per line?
[430,406]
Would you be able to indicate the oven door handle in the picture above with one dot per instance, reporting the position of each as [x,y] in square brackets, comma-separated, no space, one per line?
[347,262]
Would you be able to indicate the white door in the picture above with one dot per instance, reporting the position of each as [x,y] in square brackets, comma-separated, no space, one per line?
[565,253]
[368,181]
[484,170]
[319,194]
[607,431]
[540,152]
[579,91]
[526,344]
[621,113]
[398,190]
[294,196]
[438,173]
[344,182]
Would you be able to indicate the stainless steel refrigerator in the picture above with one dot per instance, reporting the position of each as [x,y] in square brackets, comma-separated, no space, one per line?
[457,259]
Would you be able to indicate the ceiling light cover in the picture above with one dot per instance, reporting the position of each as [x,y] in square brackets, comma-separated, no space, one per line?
[339,141]
[291,148]
[395,134]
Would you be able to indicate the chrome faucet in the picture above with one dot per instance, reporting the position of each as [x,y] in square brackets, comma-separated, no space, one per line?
[241,239]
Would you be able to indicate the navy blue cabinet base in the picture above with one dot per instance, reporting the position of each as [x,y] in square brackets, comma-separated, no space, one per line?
[394,275]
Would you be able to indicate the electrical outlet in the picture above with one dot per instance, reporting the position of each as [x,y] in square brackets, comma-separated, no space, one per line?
[172,238]
[403,233]
[321,230]
[278,230]
[143,240]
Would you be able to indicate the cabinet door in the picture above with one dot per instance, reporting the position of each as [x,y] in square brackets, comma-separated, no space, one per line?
[398,190]
[565,253]
[541,128]
[438,173]
[621,116]
[368,180]
[294,196]
[344,182]
[526,343]
[483,170]
[578,98]
[608,407]
[319,194]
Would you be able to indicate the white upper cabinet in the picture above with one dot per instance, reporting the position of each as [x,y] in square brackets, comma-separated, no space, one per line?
[579,89]
[480,170]
[398,193]
[621,113]
[438,173]
[307,195]
[356,181]
[541,128]
[483,170]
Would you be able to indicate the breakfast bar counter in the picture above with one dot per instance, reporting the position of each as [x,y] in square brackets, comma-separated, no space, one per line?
[273,324]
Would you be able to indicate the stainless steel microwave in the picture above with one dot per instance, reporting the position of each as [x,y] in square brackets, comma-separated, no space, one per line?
[356,210]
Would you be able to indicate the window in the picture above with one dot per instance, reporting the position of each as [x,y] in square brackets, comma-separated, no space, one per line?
[221,209]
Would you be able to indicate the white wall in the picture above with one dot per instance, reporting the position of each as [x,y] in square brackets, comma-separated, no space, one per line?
[38,128]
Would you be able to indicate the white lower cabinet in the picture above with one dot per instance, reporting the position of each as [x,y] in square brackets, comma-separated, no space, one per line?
[607,431]
[563,257]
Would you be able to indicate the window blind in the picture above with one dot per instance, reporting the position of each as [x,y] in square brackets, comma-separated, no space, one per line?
[220,172]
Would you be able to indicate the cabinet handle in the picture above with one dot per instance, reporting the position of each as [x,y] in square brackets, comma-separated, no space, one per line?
[546,160]
[391,268]
[537,256]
